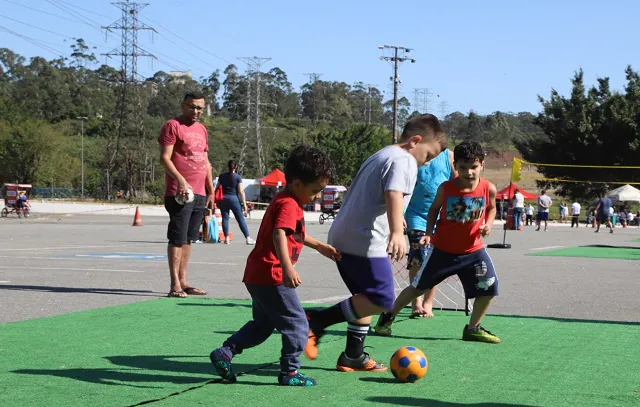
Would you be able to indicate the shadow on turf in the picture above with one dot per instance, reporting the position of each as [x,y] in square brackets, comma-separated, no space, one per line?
[213,304]
[606,246]
[132,370]
[414,401]
[592,321]
[112,291]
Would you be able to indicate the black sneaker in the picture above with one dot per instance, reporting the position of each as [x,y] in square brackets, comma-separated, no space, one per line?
[364,363]
[297,379]
[223,366]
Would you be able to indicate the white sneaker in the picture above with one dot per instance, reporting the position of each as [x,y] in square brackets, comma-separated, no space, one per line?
[227,241]
[250,241]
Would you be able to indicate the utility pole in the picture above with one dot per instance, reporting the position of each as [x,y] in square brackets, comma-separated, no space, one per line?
[399,55]
[367,103]
[253,111]
[130,108]
[82,119]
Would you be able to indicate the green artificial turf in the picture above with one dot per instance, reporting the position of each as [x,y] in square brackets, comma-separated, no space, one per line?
[156,352]
[596,251]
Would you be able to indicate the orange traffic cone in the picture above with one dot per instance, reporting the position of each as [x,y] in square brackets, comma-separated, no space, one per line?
[137,220]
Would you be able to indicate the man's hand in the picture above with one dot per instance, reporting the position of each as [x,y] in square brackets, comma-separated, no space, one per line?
[183,187]
[291,278]
[211,200]
[329,252]
[424,240]
[397,246]
[485,230]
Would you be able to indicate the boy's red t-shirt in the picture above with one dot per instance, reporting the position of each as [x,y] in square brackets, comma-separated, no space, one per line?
[263,266]
[461,215]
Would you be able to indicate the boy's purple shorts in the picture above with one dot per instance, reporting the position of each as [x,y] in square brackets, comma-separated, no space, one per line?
[372,277]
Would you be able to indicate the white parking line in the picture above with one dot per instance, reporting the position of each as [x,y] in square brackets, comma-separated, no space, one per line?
[67,269]
[67,247]
[545,248]
[93,259]
[4,282]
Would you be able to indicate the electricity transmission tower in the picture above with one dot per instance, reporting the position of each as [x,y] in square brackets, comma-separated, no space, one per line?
[313,78]
[253,111]
[399,54]
[130,111]
[444,108]
[367,103]
[421,99]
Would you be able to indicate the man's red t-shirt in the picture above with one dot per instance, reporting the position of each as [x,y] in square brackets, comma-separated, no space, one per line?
[190,146]
[263,266]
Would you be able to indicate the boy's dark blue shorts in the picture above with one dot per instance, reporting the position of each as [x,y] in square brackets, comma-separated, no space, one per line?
[475,270]
[372,277]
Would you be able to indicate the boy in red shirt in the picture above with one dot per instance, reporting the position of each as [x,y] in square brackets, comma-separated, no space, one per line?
[270,276]
[456,246]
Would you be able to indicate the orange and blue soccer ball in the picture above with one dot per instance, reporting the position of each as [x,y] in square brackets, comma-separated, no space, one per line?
[409,364]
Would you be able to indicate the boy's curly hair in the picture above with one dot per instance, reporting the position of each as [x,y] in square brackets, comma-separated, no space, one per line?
[308,164]
[468,151]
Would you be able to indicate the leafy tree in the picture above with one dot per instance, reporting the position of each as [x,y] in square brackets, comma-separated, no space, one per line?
[594,127]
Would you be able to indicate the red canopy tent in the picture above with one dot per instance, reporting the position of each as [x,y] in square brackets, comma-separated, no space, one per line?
[511,189]
[273,179]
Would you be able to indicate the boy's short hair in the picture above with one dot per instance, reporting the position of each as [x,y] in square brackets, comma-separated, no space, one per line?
[308,164]
[421,125]
[468,151]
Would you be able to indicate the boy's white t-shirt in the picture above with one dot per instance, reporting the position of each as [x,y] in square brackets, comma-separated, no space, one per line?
[361,227]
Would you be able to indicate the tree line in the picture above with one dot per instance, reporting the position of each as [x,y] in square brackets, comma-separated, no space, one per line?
[42,100]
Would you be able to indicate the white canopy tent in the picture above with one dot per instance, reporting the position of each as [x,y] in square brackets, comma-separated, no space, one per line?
[625,193]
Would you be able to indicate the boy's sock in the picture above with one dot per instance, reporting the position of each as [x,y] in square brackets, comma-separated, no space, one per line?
[341,312]
[356,334]
[221,360]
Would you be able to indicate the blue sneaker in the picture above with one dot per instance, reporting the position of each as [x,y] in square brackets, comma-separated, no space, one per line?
[297,379]
[223,366]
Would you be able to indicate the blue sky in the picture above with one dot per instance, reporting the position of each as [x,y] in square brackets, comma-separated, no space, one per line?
[482,55]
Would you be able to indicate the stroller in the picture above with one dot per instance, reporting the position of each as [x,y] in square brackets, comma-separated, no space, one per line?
[331,201]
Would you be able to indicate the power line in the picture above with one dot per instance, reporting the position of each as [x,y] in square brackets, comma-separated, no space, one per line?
[78,16]
[84,9]
[189,42]
[37,43]
[43,12]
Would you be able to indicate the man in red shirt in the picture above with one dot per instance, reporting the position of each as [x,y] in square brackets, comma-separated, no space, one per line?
[467,208]
[270,276]
[184,146]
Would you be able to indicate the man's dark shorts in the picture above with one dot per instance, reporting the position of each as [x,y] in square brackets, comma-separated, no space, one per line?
[370,276]
[475,270]
[185,220]
[603,217]
[543,216]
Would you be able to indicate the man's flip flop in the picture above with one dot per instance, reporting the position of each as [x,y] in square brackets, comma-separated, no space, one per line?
[194,291]
[177,294]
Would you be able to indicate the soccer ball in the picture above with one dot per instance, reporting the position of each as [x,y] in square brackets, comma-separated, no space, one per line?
[408,364]
[181,199]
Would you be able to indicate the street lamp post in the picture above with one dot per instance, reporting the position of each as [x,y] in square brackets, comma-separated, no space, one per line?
[82,119]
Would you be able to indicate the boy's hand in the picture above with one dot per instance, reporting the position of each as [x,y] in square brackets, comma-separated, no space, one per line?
[330,252]
[424,240]
[485,230]
[397,246]
[291,278]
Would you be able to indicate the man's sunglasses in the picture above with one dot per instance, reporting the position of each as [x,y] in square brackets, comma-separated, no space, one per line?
[194,107]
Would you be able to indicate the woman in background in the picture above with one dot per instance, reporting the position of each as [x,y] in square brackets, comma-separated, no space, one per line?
[234,197]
